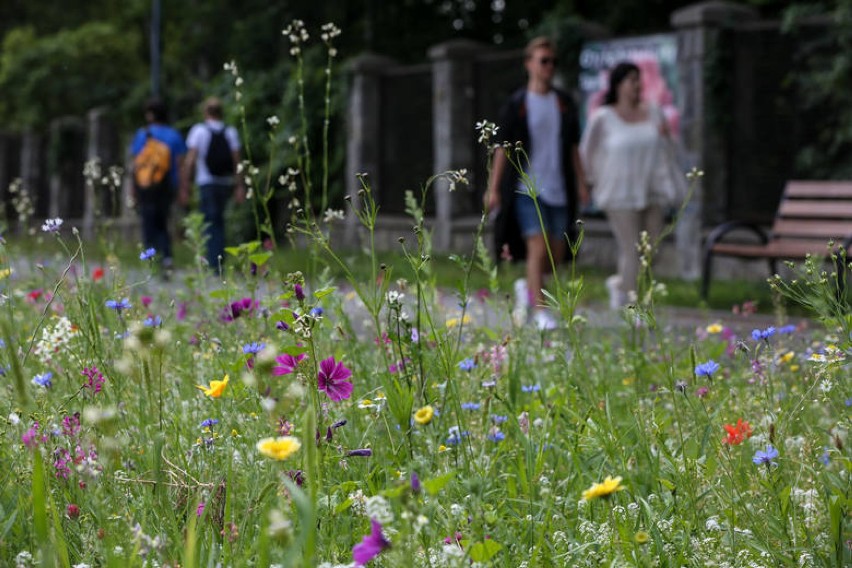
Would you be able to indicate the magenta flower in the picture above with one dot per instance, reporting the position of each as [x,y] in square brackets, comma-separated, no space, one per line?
[333,378]
[371,545]
[287,364]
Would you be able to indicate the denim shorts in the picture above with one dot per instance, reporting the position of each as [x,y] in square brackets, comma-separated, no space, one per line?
[555,217]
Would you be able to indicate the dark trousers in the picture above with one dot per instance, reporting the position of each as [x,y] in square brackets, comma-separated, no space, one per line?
[214,198]
[154,211]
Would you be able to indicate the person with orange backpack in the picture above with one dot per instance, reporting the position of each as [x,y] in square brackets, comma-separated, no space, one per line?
[158,151]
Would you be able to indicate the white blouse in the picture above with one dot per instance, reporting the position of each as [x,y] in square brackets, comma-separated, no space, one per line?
[622,160]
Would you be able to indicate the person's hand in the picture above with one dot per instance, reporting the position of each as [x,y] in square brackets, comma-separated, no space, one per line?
[584,194]
[240,193]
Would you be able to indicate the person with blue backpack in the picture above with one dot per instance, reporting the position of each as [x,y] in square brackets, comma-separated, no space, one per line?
[158,151]
[214,152]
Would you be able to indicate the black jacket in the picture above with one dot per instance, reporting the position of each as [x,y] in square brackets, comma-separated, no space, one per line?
[513,128]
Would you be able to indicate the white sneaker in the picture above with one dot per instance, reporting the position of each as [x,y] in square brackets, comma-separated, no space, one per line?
[520,311]
[544,320]
[616,296]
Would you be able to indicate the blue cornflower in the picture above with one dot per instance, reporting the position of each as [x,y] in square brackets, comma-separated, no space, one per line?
[317,311]
[786,329]
[2,344]
[209,423]
[498,418]
[825,458]
[470,406]
[43,380]
[766,458]
[153,321]
[456,436]
[147,254]
[119,305]
[848,402]
[765,334]
[467,364]
[3,371]
[530,388]
[253,348]
[707,369]
[497,436]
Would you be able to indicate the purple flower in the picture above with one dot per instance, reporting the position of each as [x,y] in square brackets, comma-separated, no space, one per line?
[147,254]
[333,378]
[282,326]
[181,311]
[95,379]
[209,423]
[707,369]
[371,545]
[415,482]
[787,329]
[300,294]
[153,321]
[317,311]
[766,457]
[296,476]
[497,436]
[470,406]
[238,308]
[200,509]
[467,364]
[30,437]
[361,453]
[498,419]
[118,305]
[415,335]
[287,364]
[530,388]
[44,380]
[702,392]
[825,458]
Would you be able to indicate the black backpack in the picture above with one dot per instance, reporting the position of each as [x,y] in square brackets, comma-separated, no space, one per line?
[219,160]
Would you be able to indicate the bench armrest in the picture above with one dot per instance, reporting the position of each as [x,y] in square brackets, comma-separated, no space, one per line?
[720,231]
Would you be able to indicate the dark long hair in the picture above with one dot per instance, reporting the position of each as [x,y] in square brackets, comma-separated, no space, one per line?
[616,76]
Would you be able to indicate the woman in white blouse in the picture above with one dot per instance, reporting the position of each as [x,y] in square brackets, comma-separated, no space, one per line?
[621,149]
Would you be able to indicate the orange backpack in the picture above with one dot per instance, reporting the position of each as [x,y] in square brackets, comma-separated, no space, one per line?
[151,165]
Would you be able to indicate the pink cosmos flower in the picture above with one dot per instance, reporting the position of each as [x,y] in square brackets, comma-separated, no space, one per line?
[333,378]
[287,364]
[371,545]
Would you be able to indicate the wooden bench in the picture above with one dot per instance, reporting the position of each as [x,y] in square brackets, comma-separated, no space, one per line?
[811,214]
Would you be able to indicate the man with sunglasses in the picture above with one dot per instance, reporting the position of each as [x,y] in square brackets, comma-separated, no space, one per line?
[544,120]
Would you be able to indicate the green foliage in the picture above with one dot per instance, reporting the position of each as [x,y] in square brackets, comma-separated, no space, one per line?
[66,73]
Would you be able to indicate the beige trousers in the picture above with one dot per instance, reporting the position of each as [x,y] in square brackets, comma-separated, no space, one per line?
[626,226]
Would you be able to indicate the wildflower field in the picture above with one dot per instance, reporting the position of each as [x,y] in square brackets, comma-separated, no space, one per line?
[275,418]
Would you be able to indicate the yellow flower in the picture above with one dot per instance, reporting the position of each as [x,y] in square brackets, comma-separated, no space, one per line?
[641,537]
[609,486]
[714,328]
[787,357]
[215,389]
[627,381]
[455,322]
[5,273]
[442,448]
[279,448]
[424,415]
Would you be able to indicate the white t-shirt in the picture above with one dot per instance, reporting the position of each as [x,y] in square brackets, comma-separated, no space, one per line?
[544,123]
[622,159]
[199,139]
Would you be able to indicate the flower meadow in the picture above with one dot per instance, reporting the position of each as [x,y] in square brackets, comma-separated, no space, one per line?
[281,418]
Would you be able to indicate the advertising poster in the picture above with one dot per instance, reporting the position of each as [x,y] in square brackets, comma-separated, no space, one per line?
[656,57]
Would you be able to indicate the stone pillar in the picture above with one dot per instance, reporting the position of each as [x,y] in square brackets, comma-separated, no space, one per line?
[32,171]
[697,27]
[453,91]
[65,167]
[364,141]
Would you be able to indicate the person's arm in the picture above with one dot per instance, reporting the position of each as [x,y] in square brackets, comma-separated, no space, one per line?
[498,167]
[239,183]
[580,173]
[187,168]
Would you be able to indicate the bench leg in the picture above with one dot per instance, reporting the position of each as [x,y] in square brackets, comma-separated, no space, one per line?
[773,267]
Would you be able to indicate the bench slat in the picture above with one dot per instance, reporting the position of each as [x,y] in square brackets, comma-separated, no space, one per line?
[792,249]
[826,229]
[819,189]
[818,209]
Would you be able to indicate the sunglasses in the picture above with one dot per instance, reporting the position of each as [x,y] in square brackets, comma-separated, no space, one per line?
[547,61]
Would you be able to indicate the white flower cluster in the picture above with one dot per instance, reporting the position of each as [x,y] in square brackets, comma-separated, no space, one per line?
[329,32]
[487,130]
[21,201]
[54,338]
[456,177]
[377,507]
[231,67]
[297,34]
[332,215]
[52,225]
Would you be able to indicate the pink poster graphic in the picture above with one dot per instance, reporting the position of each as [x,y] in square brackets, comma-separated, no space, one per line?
[656,57]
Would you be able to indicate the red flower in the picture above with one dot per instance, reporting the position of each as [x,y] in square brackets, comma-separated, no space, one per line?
[737,432]
[34,296]
[97,274]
